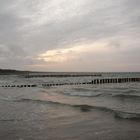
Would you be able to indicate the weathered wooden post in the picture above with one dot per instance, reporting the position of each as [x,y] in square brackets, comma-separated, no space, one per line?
[116,81]
[97,81]
[101,81]
[119,80]
[94,82]
[105,81]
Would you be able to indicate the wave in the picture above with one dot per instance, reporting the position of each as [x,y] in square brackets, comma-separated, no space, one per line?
[127,96]
[117,114]
[127,115]
[88,94]
[10,120]
[82,92]
[87,108]
[130,91]
[6,99]
[39,101]
[83,89]
[21,120]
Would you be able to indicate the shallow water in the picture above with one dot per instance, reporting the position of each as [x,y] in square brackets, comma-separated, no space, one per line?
[82,112]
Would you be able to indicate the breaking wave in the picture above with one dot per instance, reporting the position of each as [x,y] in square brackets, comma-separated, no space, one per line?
[83,94]
[10,120]
[127,115]
[130,91]
[87,108]
[39,101]
[117,114]
[127,96]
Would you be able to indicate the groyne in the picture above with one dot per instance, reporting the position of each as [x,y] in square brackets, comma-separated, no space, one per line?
[18,86]
[97,81]
[92,82]
[61,75]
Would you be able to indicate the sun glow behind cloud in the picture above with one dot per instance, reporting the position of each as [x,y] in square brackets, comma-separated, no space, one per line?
[63,55]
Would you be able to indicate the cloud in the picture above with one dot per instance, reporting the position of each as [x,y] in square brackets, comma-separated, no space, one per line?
[37,28]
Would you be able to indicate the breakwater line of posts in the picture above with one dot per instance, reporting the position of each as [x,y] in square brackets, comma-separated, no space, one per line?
[18,86]
[62,75]
[97,82]
[92,82]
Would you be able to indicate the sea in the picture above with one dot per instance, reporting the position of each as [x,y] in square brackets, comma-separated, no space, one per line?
[108,111]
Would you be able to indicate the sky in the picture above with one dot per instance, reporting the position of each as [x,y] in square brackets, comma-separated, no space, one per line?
[70,35]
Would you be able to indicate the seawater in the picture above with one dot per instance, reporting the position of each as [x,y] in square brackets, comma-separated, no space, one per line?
[76,112]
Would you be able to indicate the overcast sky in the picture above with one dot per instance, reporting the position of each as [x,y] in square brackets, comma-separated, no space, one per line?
[70,35]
